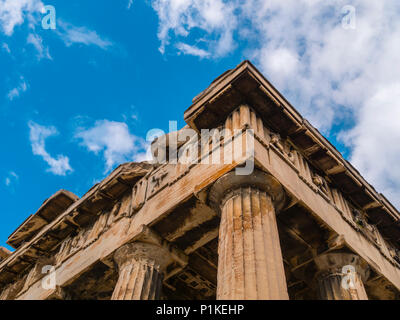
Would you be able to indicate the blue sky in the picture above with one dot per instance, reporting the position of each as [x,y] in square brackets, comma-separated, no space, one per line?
[78,100]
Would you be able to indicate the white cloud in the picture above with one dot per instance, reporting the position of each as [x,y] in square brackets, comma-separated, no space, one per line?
[129,4]
[14,12]
[5,47]
[71,34]
[131,114]
[16,92]
[37,136]
[329,73]
[114,141]
[280,62]
[37,42]
[332,72]
[11,177]
[375,140]
[178,18]
[192,50]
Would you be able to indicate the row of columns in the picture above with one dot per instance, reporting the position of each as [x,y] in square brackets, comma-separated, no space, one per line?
[250,263]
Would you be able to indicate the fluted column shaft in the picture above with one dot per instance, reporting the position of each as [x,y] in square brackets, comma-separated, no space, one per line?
[341,277]
[250,263]
[141,269]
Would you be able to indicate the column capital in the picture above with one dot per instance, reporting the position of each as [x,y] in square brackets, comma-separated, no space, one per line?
[333,263]
[141,268]
[144,253]
[230,182]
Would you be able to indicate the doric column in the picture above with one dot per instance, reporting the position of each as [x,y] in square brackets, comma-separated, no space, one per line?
[141,269]
[250,264]
[341,276]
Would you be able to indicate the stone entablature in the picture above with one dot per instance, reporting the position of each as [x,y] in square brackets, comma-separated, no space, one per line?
[135,194]
[50,210]
[4,253]
[70,231]
[245,116]
[246,83]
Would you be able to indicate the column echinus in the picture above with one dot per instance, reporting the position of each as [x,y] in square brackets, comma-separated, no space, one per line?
[250,263]
[141,269]
[341,276]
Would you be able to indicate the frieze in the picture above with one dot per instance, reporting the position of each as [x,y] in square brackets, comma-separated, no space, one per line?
[85,237]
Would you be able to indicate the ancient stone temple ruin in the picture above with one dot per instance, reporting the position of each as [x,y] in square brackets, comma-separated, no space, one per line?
[303,224]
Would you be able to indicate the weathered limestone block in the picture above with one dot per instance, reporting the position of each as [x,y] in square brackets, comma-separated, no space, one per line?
[245,116]
[4,253]
[141,270]
[250,264]
[37,272]
[341,276]
[12,291]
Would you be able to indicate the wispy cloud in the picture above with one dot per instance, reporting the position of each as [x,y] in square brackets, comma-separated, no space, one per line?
[215,18]
[131,114]
[37,136]
[11,178]
[114,141]
[71,34]
[130,2]
[5,47]
[14,12]
[192,50]
[37,42]
[16,92]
